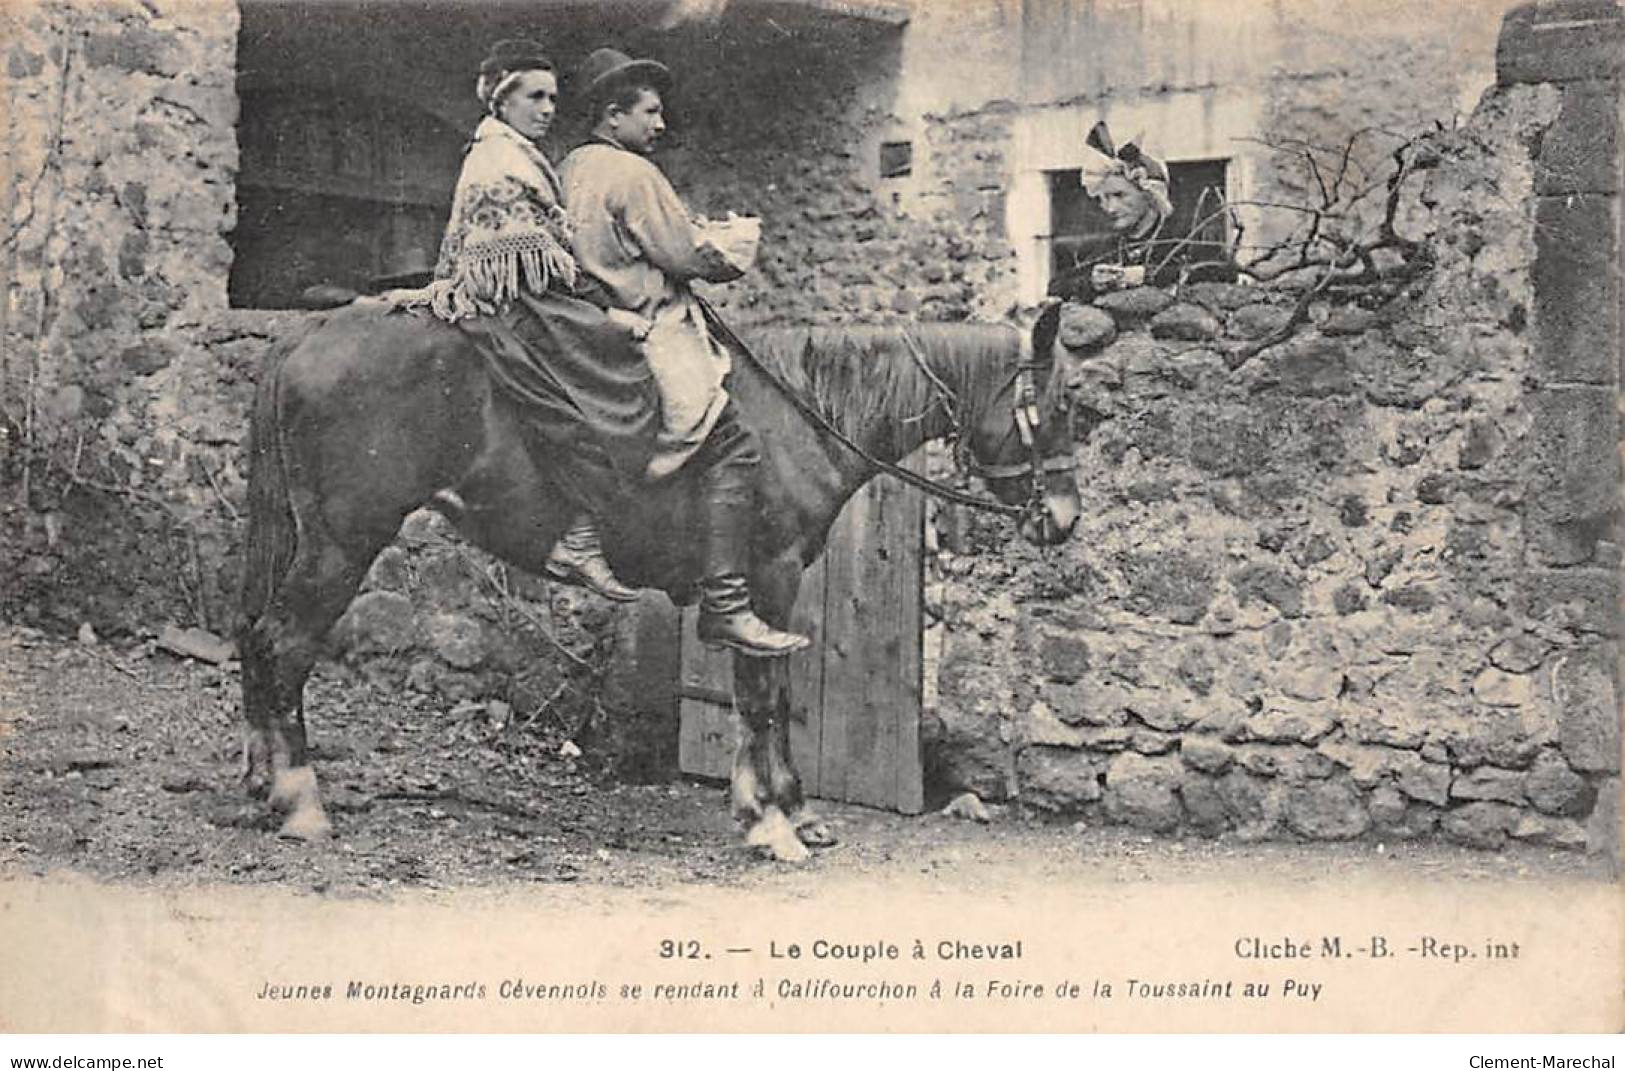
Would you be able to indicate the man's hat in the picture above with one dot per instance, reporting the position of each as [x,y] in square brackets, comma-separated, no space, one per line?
[605,67]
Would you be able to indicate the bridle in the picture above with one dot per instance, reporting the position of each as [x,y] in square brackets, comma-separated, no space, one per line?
[1025,422]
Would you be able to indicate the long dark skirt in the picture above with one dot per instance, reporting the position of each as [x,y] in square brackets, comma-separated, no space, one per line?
[580,382]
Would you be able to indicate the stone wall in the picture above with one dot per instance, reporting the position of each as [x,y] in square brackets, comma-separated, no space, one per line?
[123,383]
[1363,583]
[839,243]
[126,380]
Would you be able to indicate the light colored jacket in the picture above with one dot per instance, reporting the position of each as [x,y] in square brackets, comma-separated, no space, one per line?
[634,235]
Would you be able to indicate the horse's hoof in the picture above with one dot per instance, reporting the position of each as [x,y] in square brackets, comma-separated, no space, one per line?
[294,790]
[774,833]
[814,832]
[969,806]
[308,826]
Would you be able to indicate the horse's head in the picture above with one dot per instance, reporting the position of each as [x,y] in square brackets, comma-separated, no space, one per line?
[1022,441]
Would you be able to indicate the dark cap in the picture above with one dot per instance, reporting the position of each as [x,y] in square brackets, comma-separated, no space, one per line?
[607,67]
[514,54]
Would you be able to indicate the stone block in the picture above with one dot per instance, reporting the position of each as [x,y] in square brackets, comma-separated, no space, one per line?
[1311,683]
[1308,367]
[1579,599]
[1175,586]
[1489,783]
[1144,792]
[1162,711]
[1387,806]
[1575,493]
[1579,152]
[1129,307]
[1261,582]
[1482,825]
[1553,832]
[378,622]
[1063,659]
[1426,781]
[457,639]
[1603,827]
[1039,725]
[1107,739]
[1554,788]
[147,356]
[1205,809]
[1576,290]
[1326,810]
[1522,653]
[1351,320]
[1349,599]
[135,48]
[969,755]
[1496,688]
[1567,40]
[1195,669]
[1089,703]
[390,571]
[1152,741]
[1056,779]
[1582,686]
[1185,323]
[1219,297]
[1479,443]
[1206,754]
[1298,723]
[1256,321]
[1084,328]
[1287,762]
[1498,736]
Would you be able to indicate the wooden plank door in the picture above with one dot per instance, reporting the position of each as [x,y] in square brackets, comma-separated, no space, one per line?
[855,694]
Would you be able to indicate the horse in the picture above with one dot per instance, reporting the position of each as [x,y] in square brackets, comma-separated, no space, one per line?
[373,412]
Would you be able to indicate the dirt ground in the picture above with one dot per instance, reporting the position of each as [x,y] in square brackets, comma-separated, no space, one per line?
[122,766]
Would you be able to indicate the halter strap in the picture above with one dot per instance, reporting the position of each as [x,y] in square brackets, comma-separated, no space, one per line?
[914,479]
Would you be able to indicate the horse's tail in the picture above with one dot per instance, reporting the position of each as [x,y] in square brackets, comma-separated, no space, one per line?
[273,533]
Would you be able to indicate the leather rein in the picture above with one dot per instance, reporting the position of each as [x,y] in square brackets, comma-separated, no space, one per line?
[1026,420]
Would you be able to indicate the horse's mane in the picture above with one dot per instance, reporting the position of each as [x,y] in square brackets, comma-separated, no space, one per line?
[866,379]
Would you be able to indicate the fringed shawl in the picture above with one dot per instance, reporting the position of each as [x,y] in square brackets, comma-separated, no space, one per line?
[508,229]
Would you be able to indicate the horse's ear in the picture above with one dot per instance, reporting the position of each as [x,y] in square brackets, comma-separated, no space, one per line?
[1045,329]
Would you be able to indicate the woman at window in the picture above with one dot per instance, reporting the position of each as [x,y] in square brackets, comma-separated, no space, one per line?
[1144,248]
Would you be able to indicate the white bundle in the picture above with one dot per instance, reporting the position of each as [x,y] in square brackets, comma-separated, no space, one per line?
[735,239]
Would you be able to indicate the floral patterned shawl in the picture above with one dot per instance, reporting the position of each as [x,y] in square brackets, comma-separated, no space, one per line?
[507,225]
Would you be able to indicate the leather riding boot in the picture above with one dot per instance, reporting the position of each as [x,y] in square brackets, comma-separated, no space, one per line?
[726,617]
[578,558]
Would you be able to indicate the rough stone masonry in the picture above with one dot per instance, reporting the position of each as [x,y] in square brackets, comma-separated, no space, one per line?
[1364,583]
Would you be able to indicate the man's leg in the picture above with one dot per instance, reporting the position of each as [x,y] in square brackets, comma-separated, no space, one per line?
[731,458]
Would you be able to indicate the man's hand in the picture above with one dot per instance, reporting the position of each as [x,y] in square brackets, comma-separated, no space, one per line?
[636,326]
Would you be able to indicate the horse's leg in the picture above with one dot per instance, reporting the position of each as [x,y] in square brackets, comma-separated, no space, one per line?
[765,787]
[279,650]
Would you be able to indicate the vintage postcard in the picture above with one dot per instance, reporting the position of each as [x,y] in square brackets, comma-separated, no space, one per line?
[811,516]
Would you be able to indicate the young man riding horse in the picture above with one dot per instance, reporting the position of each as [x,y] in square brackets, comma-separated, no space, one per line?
[597,384]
